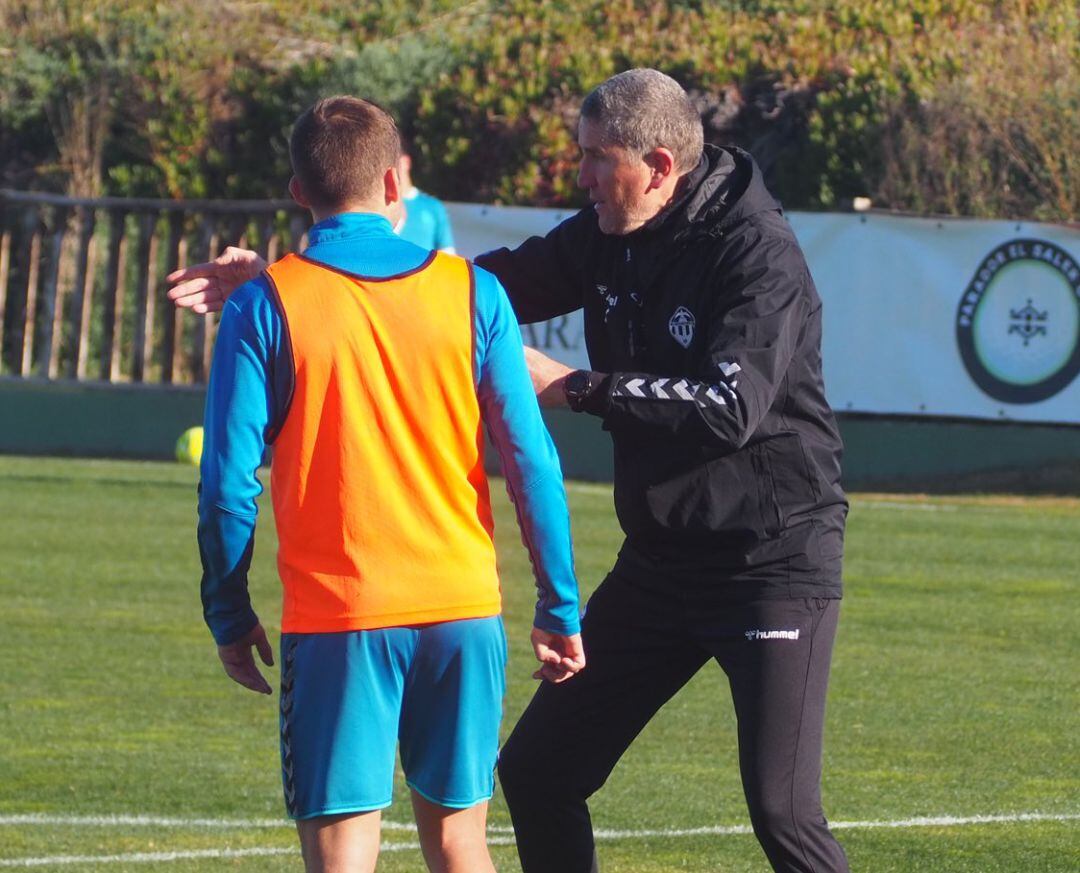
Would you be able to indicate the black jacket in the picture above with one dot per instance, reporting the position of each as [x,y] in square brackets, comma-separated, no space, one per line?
[727,456]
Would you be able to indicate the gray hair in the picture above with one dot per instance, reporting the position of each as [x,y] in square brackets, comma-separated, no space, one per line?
[643,109]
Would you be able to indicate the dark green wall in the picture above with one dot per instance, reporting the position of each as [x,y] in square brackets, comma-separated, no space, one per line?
[144,421]
[946,456]
[896,454]
[95,419]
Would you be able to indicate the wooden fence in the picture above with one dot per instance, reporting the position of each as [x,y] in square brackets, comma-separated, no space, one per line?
[82,288]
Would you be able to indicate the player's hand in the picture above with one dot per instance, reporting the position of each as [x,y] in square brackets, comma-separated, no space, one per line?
[547,377]
[560,657]
[239,663]
[205,287]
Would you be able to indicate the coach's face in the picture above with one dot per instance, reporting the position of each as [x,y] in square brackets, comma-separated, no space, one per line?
[618,182]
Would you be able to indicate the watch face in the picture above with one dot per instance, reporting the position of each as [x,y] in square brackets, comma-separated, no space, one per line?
[577,383]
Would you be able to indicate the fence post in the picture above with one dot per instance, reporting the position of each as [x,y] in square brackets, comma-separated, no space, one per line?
[206,323]
[52,299]
[114,296]
[26,340]
[83,297]
[172,325]
[146,265]
[5,268]
[297,231]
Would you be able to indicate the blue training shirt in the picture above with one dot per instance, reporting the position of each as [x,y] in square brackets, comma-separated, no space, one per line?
[251,381]
[426,222]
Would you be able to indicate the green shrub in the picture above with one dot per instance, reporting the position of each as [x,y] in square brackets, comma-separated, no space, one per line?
[960,106]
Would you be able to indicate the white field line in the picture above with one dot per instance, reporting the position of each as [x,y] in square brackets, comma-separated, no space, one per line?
[917,822]
[899,504]
[857,501]
[589,487]
[155,821]
[602,834]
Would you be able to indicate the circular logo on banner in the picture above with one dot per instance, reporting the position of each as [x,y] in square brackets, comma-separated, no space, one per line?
[1018,323]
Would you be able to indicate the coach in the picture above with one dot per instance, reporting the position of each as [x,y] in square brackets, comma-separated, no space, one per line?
[703,329]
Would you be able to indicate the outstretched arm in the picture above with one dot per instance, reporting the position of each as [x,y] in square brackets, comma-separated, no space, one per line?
[543,276]
[752,333]
[205,287]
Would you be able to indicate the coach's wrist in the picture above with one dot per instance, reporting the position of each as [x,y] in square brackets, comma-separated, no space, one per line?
[587,391]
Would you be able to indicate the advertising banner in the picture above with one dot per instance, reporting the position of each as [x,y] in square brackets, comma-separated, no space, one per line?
[923,316]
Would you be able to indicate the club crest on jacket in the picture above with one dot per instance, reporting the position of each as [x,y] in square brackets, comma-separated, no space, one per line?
[682,326]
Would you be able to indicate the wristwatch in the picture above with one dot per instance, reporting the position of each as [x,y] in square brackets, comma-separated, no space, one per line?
[577,387]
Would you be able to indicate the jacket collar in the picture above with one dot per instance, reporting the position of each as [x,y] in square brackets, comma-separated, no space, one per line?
[726,186]
[350,225]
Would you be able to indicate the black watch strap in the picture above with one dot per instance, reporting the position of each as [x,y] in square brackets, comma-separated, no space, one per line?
[577,387]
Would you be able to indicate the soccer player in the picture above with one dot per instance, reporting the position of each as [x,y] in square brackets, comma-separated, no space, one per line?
[370,365]
[424,221]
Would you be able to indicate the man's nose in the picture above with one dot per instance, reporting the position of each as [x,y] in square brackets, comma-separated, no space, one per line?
[584,178]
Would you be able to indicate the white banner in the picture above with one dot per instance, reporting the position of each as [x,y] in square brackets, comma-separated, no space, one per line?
[939,317]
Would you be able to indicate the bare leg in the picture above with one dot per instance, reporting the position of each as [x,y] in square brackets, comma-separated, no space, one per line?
[453,840]
[340,843]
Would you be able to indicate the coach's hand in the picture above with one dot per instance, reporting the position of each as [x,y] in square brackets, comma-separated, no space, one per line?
[239,664]
[204,288]
[560,656]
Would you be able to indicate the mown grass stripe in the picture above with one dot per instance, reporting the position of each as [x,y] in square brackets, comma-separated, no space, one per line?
[145,857]
[189,855]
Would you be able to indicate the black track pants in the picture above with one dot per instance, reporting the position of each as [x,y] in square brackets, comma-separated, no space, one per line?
[642,647]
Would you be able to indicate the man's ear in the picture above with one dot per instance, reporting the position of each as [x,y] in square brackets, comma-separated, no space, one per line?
[296,191]
[661,164]
[392,185]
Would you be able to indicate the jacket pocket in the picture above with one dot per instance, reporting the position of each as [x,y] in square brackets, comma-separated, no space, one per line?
[791,486]
[772,517]
[738,497]
[682,491]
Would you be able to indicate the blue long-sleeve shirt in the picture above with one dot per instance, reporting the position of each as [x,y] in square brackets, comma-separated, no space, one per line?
[251,381]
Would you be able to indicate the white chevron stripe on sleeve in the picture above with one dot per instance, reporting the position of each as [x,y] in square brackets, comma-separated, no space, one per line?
[713,395]
[682,388]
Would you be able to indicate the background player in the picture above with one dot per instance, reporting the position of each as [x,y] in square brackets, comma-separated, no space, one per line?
[424,221]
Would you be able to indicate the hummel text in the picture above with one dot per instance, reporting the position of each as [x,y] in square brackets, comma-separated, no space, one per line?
[772,634]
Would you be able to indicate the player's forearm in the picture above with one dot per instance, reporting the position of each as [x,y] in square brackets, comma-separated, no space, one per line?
[545,527]
[534,482]
[226,542]
[529,460]
[239,403]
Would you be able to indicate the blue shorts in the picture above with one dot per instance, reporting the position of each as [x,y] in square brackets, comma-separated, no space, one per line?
[348,698]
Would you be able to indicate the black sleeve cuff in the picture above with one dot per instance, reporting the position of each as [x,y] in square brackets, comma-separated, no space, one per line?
[598,400]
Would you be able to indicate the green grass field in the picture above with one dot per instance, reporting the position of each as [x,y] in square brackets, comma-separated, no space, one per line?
[954,693]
